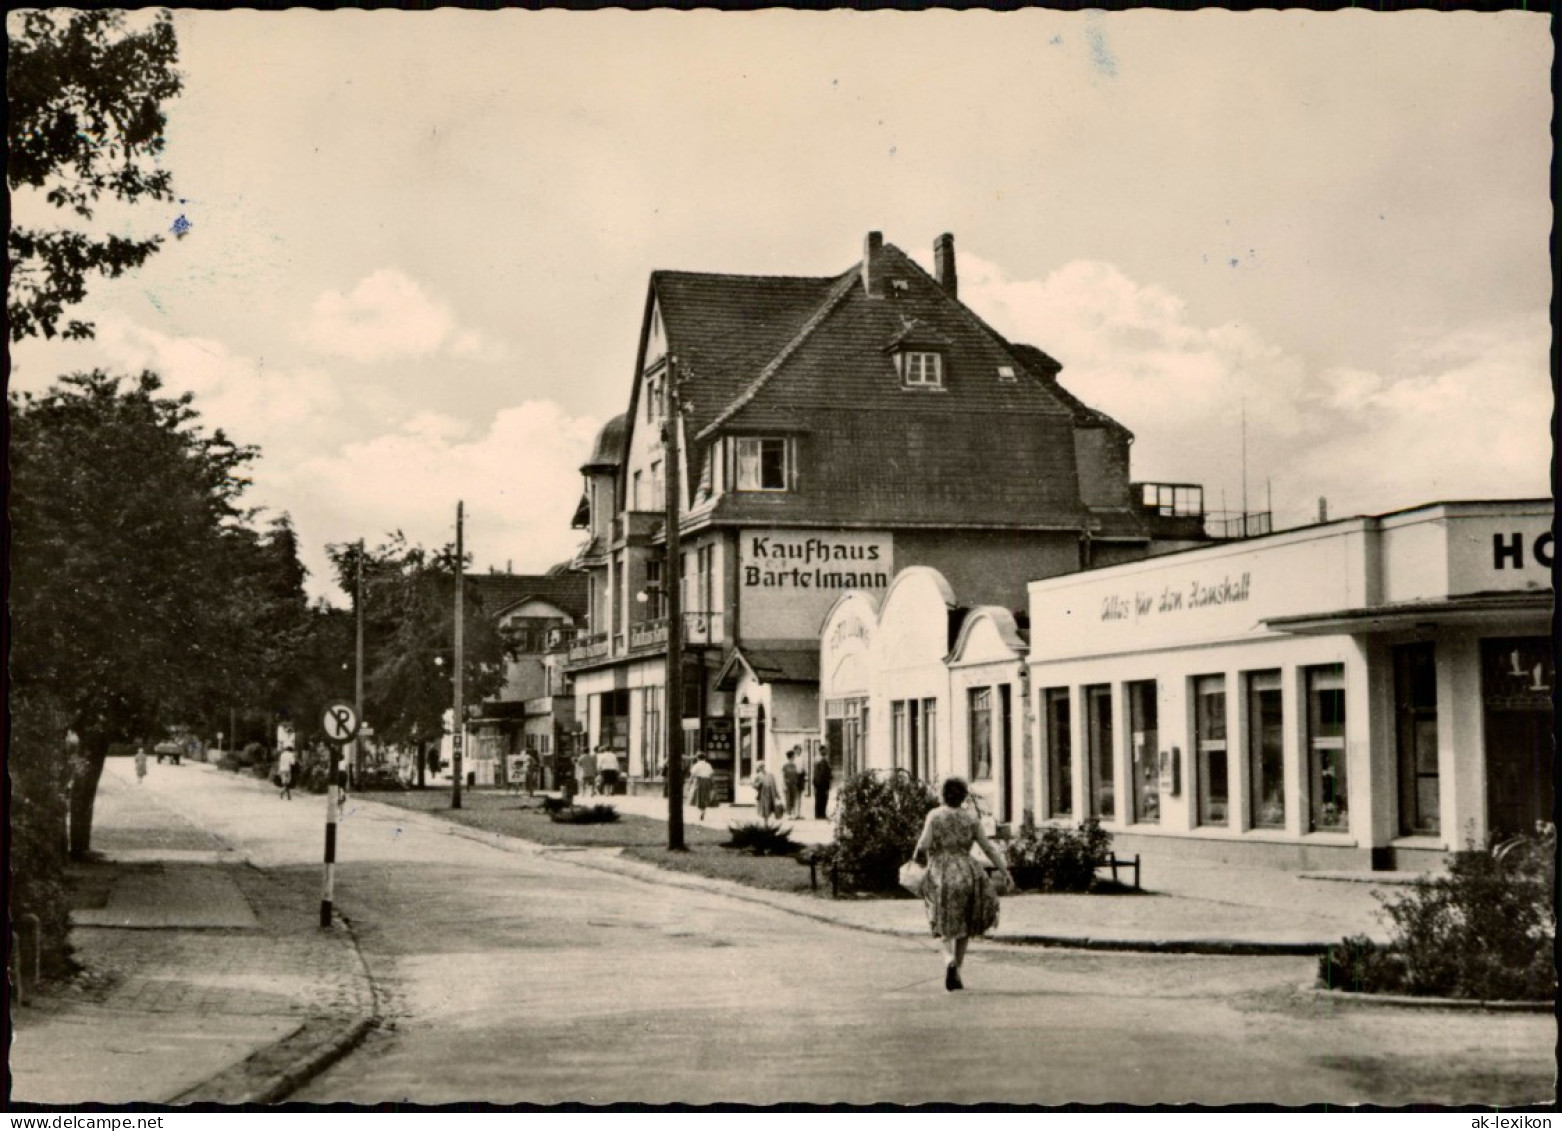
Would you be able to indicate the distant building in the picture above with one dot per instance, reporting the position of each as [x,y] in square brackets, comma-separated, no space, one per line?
[836,430]
[537,616]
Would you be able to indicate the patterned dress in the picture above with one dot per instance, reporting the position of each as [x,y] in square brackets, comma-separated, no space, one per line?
[961,900]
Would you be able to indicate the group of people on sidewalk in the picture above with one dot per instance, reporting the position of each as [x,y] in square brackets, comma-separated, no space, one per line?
[771,799]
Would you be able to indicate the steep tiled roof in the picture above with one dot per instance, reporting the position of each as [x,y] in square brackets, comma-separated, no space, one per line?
[812,357]
[1044,367]
[499,591]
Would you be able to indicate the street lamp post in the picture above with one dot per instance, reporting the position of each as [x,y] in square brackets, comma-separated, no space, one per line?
[459,714]
[671,583]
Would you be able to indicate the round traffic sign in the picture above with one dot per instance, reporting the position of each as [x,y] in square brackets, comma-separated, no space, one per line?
[340,721]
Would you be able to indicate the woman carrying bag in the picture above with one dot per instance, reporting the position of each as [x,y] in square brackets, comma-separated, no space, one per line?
[961,900]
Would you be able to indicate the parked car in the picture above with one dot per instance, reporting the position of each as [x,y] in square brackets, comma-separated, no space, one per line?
[170,750]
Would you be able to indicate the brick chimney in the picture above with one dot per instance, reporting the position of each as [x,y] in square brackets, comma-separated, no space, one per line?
[872,280]
[944,264]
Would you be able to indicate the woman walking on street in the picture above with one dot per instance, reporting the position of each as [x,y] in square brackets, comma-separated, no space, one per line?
[702,773]
[961,900]
[765,802]
[140,764]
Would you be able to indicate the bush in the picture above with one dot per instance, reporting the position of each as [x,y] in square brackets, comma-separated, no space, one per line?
[1485,931]
[762,838]
[41,767]
[880,818]
[1058,859]
[585,815]
[1362,966]
[253,754]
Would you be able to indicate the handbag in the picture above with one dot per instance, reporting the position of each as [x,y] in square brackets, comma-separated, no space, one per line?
[913,877]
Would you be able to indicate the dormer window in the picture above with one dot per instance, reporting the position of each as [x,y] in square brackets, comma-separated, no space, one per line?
[922,369]
[918,353]
[761,464]
[1006,375]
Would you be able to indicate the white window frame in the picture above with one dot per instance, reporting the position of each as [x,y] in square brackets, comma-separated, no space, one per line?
[756,446]
[922,369]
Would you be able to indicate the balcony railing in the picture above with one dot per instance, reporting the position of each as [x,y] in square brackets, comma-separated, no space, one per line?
[1235,524]
[588,646]
[699,630]
[638,527]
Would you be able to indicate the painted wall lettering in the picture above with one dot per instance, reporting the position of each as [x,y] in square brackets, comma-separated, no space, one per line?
[1196,594]
[1508,550]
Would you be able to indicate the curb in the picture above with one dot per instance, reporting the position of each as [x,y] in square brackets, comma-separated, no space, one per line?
[649,873]
[597,859]
[1466,1005]
[271,1074]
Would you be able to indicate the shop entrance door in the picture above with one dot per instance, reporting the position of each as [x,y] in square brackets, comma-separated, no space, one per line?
[1517,675]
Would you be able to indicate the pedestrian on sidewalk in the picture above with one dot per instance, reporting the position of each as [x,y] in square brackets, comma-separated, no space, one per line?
[140,764]
[821,782]
[960,898]
[607,767]
[702,774]
[792,784]
[766,803]
[287,768]
[588,773]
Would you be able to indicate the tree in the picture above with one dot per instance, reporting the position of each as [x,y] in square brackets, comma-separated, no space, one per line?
[129,602]
[409,631]
[86,95]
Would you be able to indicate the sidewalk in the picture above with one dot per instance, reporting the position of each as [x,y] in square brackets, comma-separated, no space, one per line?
[202,981]
[1187,906]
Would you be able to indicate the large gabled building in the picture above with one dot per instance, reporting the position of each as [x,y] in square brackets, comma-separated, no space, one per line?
[834,430]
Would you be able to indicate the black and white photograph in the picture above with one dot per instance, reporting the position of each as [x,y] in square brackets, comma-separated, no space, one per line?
[619,560]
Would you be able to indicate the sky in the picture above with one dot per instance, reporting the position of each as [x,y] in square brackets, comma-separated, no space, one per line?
[419,242]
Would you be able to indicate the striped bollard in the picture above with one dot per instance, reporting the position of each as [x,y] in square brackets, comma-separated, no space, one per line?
[330,836]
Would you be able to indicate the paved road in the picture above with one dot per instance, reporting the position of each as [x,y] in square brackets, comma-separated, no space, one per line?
[512,976]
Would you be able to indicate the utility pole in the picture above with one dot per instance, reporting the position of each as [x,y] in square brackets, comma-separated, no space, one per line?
[358,674]
[458,722]
[672,582]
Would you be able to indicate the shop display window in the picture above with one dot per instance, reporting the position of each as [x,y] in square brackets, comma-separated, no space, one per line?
[1328,792]
[1415,722]
[1214,790]
[1142,725]
[981,733]
[1098,714]
[1266,749]
[1060,754]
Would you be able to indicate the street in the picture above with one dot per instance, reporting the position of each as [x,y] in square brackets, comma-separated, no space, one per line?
[510,975]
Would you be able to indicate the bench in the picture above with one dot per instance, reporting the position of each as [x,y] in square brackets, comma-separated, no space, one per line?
[1114,862]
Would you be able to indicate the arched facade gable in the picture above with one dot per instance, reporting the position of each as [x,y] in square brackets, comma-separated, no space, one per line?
[914,620]
[989,634]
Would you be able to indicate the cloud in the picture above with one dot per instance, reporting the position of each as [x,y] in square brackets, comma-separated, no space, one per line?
[388,315]
[1462,412]
[284,410]
[518,477]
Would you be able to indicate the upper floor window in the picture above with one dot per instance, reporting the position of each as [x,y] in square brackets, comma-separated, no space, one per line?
[761,464]
[922,369]
[653,398]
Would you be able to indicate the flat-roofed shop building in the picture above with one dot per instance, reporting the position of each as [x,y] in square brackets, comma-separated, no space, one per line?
[1362,693]
[834,431]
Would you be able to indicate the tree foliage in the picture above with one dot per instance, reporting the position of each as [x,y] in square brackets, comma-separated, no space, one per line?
[86,93]
[409,637]
[132,570]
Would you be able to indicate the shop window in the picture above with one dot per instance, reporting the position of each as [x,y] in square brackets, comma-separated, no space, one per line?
[652,733]
[900,745]
[981,733]
[929,754]
[1098,721]
[1328,793]
[1266,749]
[761,464]
[1415,717]
[1142,726]
[1060,754]
[1209,724]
